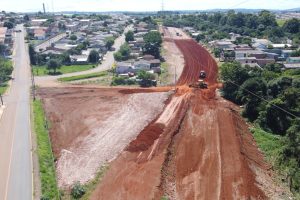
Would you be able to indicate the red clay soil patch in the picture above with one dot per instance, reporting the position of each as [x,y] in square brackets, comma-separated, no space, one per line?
[203,152]
[90,127]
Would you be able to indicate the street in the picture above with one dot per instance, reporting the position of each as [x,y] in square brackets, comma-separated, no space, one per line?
[48,42]
[51,81]
[15,142]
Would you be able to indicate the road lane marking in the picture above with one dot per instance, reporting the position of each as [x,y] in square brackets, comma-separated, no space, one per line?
[10,158]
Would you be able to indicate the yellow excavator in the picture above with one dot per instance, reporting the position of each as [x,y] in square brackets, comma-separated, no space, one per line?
[201,84]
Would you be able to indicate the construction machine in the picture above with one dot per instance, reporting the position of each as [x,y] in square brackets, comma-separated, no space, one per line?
[200,83]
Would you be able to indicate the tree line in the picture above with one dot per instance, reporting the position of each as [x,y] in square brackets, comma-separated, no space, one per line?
[218,25]
[271,100]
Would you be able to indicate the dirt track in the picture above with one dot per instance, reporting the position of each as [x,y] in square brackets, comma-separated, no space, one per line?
[199,147]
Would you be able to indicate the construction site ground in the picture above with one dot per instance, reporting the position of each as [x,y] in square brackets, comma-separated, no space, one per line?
[183,144]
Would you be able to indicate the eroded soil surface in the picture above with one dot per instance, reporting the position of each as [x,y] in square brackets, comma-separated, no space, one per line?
[198,148]
[192,144]
[91,126]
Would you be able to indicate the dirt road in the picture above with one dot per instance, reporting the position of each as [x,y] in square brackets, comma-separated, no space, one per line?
[198,148]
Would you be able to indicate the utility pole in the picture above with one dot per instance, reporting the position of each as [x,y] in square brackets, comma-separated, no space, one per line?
[1,99]
[175,78]
[32,83]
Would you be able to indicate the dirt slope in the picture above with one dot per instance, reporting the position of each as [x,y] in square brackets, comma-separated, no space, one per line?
[91,126]
[199,147]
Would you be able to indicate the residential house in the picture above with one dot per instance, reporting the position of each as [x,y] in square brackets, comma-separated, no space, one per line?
[37,22]
[148,57]
[260,43]
[255,56]
[142,65]
[39,34]
[124,67]
[291,65]
[281,46]
[222,44]
[155,63]
[79,59]
[286,53]
[293,60]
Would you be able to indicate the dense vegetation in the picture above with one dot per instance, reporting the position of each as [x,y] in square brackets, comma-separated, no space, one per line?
[5,73]
[152,44]
[219,25]
[123,53]
[271,100]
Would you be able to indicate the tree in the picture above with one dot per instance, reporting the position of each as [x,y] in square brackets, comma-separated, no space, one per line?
[32,54]
[5,70]
[200,37]
[292,26]
[2,49]
[118,56]
[77,191]
[152,44]
[266,18]
[53,64]
[252,102]
[73,37]
[109,42]
[129,36]
[123,53]
[65,59]
[277,86]
[8,24]
[146,78]
[295,53]
[275,119]
[94,56]
[26,18]
[233,75]
[290,154]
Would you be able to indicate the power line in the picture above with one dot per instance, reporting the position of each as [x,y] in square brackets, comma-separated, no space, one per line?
[238,4]
[264,99]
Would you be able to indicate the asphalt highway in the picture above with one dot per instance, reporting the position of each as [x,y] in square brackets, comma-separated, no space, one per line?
[15,143]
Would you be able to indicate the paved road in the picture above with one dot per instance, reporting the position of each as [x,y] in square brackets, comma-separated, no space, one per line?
[48,42]
[105,65]
[15,145]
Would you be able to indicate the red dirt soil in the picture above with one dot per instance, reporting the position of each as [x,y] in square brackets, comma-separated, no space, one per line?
[198,148]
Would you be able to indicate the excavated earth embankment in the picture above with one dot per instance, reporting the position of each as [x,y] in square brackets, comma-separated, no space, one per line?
[198,148]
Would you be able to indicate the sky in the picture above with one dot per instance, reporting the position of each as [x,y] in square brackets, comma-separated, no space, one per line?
[141,5]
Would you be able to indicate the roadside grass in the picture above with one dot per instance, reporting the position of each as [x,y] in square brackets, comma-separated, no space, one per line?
[280,22]
[269,143]
[3,88]
[49,187]
[42,70]
[85,76]
[164,76]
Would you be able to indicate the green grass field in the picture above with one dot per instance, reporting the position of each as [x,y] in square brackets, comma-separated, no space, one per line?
[46,162]
[42,70]
[85,76]
[269,143]
[280,22]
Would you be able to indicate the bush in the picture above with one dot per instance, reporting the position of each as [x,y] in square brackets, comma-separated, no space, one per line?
[77,191]
[118,81]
